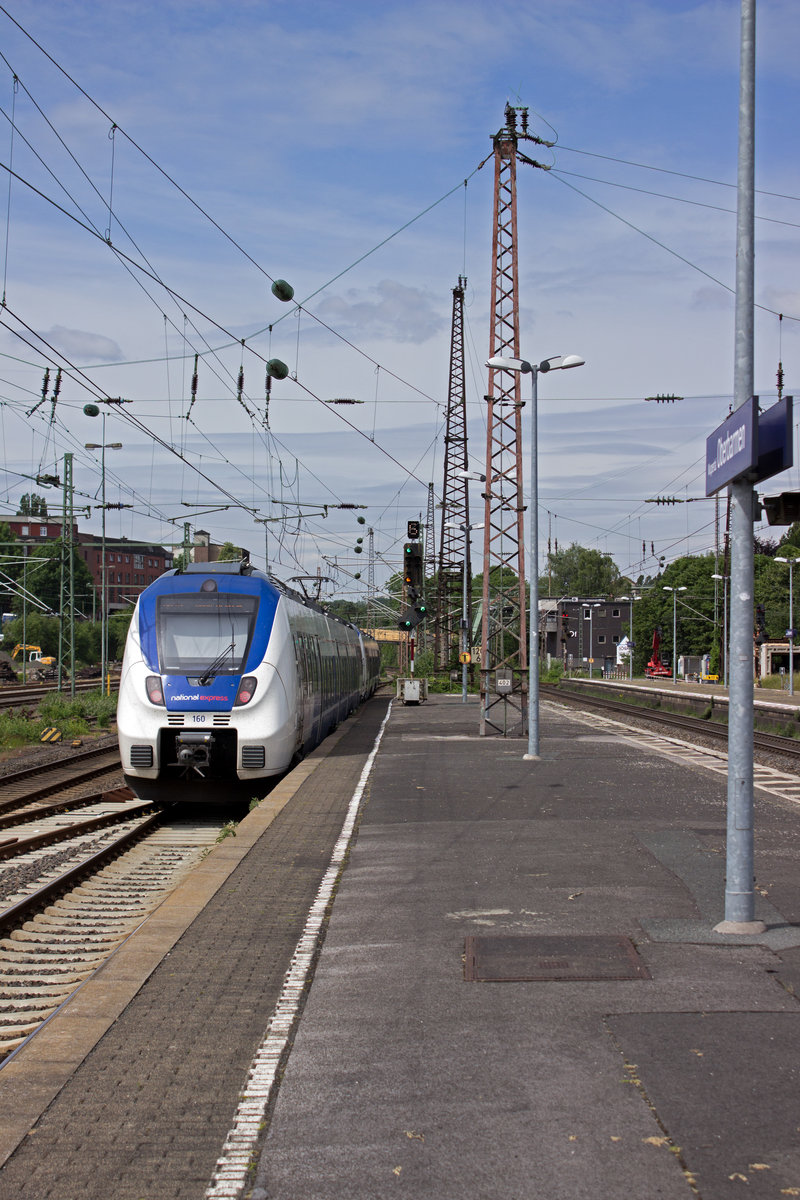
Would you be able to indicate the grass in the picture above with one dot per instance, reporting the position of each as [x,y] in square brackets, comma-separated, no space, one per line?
[73,717]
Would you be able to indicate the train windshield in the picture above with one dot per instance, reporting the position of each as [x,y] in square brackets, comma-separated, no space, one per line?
[204,634]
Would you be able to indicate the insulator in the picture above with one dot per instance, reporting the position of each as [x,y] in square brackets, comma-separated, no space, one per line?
[277,369]
[57,386]
[46,383]
[194,380]
[282,290]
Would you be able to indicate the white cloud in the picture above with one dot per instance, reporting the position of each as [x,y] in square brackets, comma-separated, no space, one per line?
[388,311]
[82,347]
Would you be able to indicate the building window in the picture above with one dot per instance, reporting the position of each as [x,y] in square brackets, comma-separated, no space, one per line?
[586,614]
[127,558]
[138,560]
[601,637]
[615,639]
[25,531]
[615,612]
[42,531]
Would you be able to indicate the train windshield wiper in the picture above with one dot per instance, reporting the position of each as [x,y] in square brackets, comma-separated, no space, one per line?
[214,666]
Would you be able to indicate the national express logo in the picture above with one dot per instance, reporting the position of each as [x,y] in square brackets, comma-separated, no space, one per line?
[197,696]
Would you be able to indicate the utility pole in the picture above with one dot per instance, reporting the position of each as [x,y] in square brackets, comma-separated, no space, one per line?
[430,535]
[454,566]
[66,607]
[504,634]
[739,885]
[371,620]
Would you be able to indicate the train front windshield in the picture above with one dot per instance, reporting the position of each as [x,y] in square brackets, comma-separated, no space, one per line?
[202,633]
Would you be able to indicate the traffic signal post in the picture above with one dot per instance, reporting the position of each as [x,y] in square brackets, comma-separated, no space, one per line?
[414,607]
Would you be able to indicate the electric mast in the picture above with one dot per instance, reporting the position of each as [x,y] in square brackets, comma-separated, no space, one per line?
[504,657]
[454,551]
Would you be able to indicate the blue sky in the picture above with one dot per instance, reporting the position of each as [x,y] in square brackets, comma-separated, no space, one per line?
[313,133]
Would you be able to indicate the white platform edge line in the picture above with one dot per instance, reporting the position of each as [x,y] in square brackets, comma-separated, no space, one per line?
[230,1175]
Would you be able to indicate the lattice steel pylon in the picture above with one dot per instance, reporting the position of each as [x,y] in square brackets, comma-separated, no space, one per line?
[66,608]
[454,552]
[371,621]
[504,655]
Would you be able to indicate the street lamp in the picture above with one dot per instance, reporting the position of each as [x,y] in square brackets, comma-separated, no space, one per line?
[674,629]
[591,608]
[630,600]
[724,579]
[790,562]
[102,447]
[466,529]
[559,362]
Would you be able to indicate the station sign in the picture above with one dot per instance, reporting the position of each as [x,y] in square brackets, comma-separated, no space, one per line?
[775,440]
[732,449]
[750,443]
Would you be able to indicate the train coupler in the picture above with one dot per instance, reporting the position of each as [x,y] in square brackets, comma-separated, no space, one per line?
[193,750]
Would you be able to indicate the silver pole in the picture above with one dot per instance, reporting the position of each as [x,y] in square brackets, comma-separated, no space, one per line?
[630,649]
[674,637]
[464,629]
[725,630]
[791,632]
[103,587]
[591,642]
[533,630]
[739,889]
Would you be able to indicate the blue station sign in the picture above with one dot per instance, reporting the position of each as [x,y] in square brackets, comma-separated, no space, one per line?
[732,449]
[775,442]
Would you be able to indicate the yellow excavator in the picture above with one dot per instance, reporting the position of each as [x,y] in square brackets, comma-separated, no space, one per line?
[34,654]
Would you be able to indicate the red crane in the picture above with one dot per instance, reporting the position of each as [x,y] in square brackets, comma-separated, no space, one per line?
[656,669]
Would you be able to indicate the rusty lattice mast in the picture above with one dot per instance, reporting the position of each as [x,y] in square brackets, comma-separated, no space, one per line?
[452,562]
[504,655]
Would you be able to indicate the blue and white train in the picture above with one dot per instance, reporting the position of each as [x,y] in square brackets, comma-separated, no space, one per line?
[228,678]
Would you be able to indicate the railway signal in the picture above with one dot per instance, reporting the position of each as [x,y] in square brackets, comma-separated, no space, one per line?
[412,565]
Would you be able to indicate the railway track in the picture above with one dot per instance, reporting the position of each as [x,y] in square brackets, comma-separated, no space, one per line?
[766,742]
[62,929]
[19,695]
[79,870]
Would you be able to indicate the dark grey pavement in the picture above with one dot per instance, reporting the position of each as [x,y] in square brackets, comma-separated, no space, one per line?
[406,1079]
[145,1113]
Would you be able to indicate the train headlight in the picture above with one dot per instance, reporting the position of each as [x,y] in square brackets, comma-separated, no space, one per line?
[246,690]
[155,692]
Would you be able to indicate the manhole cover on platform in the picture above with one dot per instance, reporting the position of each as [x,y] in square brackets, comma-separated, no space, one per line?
[501,959]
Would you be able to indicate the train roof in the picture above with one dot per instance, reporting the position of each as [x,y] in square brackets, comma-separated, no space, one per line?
[244,567]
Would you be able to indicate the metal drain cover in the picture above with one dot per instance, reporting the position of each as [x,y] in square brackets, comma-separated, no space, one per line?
[510,959]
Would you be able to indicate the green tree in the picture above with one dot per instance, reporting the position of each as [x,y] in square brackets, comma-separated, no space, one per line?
[229,553]
[32,505]
[578,571]
[699,625]
[43,578]
[40,630]
[118,625]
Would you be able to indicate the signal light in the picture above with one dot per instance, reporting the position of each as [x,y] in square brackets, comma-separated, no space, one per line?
[412,569]
[412,529]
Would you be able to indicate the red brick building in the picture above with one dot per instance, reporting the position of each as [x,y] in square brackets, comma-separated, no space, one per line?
[130,566]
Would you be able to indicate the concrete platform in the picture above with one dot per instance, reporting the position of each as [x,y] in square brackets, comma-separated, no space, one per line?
[668,1068]
[406,1079]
